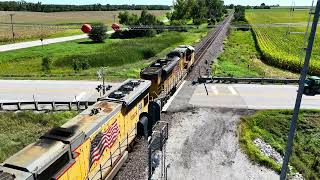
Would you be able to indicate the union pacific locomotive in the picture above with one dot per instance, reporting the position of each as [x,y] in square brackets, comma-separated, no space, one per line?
[94,144]
[166,73]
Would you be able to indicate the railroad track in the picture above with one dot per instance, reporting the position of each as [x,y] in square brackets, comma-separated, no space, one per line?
[204,45]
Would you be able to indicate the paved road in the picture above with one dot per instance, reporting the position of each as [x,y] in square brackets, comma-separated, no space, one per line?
[243,96]
[15,46]
[23,90]
[246,96]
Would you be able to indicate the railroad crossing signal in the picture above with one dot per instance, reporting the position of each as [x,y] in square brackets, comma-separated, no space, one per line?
[103,87]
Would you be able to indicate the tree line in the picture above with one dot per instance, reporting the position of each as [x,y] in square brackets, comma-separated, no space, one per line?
[39,7]
[262,6]
[200,11]
[145,19]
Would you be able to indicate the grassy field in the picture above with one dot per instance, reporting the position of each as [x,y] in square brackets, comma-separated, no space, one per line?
[20,129]
[241,59]
[123,58]
[272,126]
[278,47]
[33,25]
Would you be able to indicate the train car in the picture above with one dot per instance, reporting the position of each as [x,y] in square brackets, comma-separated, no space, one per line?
[89,146]
[163,74]
[186,53]
[166,73]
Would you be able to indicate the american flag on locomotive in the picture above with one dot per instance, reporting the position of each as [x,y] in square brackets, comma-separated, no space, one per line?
[102,141]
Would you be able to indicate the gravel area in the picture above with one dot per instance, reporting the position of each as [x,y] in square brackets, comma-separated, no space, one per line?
[267,150]
[136,166]
[203,144]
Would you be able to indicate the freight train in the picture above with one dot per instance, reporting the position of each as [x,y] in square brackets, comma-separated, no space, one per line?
[94,144]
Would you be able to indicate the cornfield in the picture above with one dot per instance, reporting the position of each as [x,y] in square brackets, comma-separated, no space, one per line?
[283,46]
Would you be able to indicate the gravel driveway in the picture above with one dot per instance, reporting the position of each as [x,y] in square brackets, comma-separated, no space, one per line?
[203,144]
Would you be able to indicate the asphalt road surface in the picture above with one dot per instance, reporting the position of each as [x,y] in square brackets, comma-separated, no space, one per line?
[243,96]
[21,45]
[47,90]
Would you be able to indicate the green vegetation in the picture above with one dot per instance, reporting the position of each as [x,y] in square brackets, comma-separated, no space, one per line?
[278,47]
[198,11]
[98,33]
[123,58]
[272,126]
[20,129]
[145,19]
[241,59]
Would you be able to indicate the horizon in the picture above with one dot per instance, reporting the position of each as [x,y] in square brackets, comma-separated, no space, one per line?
[168,2]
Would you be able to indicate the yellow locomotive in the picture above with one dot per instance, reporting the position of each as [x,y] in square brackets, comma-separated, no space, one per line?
[166,73]
[89,145]
[94,144]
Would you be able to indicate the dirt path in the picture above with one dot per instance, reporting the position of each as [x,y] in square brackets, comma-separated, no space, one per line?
[203,144]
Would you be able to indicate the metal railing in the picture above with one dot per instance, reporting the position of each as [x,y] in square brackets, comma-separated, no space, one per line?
[157,145]
[45,105]
[208,79]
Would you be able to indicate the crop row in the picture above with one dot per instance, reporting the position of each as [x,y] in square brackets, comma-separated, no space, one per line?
[283,49]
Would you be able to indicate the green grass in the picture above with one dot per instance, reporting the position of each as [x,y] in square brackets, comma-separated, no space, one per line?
[272,126]
[20,129]
[123,58]
[241,59]
[278,47]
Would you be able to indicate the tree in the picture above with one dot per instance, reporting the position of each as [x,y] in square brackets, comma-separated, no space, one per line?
[46,64]
[147,18]
[263,4]
[214,9]
[179,10]
[98,33]
[128,19]
[198,12]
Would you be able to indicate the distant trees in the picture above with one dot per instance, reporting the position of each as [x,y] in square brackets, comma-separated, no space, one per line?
[198,10]
[98,33]
[239,14]
[39,7]
[145,19]
[128,19]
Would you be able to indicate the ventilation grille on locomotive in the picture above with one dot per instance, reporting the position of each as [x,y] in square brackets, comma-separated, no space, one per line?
[124,89]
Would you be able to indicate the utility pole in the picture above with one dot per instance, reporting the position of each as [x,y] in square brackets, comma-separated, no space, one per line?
[303,76]
[11,17]
[114,18]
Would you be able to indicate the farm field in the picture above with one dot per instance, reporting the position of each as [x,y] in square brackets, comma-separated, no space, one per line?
[273,126]
[20,129]
[33,25]
[122,58]
[278,47]
[241,59]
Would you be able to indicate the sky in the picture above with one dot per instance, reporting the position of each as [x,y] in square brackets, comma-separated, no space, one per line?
[169,2]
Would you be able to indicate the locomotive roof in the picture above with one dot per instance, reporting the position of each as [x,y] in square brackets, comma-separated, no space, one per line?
[151,70]
[37,156]
[180,50]
[87,123]
[168,68]
[139,87]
